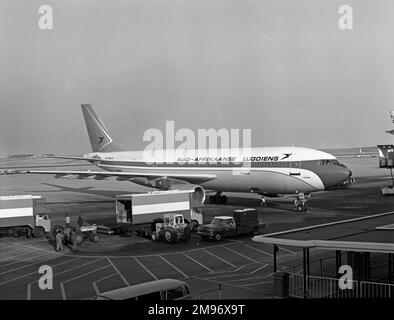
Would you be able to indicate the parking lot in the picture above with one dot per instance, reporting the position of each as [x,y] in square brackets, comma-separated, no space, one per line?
[243,264]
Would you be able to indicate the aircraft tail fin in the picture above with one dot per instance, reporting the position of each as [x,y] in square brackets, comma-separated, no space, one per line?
[99,137]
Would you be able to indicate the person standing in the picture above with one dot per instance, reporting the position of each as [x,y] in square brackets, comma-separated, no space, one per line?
[74,241]
[80,222]
[68,221]
[59,241]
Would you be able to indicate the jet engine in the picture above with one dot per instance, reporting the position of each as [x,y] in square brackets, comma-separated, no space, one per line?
[198,195]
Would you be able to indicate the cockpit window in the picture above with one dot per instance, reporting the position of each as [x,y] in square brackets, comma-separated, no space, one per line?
[326,161]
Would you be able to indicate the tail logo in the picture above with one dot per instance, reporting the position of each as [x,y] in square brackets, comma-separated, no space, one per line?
[286,155]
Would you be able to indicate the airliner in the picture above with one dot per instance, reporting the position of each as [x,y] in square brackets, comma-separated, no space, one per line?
[268,171]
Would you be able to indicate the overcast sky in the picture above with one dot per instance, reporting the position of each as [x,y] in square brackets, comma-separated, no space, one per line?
[281,68]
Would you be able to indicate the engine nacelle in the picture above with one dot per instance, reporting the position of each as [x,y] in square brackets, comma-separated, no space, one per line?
[198,196]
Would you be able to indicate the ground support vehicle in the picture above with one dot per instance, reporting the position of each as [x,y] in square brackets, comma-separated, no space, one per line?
[244,221]
[24,215]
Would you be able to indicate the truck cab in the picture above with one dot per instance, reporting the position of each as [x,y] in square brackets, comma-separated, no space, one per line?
[244,221]
[43,220]
[220,226]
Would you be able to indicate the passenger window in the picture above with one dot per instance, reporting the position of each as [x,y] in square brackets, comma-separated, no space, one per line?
[175,293]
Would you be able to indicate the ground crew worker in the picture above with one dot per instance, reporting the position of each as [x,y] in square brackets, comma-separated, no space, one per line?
[68,221]
[80,222]
[59,241]
[74,241]
[67,234]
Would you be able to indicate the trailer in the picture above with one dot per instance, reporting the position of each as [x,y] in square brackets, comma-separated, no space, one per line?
[151,214]
[24,215]
[243,221]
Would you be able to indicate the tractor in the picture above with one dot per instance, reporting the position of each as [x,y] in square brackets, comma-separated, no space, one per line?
[173,229]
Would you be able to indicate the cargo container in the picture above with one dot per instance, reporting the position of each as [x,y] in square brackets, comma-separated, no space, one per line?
[24,214]
[151,214]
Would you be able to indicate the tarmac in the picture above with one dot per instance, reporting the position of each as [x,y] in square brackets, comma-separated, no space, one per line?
[242,267]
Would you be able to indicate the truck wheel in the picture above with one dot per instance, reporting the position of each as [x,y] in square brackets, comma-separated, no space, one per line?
[218,236]
[212,199]
[38,232]
[187,234]
[300,208]
[170,235]
[95,238]
[155,236]
[193,225]
[79,238]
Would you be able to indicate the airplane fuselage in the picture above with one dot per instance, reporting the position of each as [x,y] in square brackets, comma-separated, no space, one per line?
[271,170]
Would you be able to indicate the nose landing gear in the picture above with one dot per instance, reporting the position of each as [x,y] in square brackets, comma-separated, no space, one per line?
[300,203]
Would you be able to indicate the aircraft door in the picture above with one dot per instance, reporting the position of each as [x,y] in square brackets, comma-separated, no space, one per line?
[295,165]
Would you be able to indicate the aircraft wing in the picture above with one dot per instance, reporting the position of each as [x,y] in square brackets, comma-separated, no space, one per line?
[71,158]
[125,176]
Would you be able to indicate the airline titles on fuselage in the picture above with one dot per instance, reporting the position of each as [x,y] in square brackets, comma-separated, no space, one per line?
[228,159]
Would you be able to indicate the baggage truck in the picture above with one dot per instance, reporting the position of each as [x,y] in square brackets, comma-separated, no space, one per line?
[159,215]
[24,214]
[244,221]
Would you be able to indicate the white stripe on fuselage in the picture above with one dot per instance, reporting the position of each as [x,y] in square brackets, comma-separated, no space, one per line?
[172,156]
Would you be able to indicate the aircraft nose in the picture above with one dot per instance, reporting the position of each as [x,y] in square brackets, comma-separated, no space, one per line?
[346,177]
[337,177]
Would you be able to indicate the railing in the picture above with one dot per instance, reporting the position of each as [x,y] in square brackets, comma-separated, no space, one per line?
[322,287]
[207,294]
[319,267]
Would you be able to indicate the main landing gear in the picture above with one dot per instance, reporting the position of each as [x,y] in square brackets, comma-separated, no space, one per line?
[263,202]
[218,198]
[300,203]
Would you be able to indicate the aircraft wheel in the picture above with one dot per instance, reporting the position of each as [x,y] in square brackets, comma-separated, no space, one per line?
[223,199]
